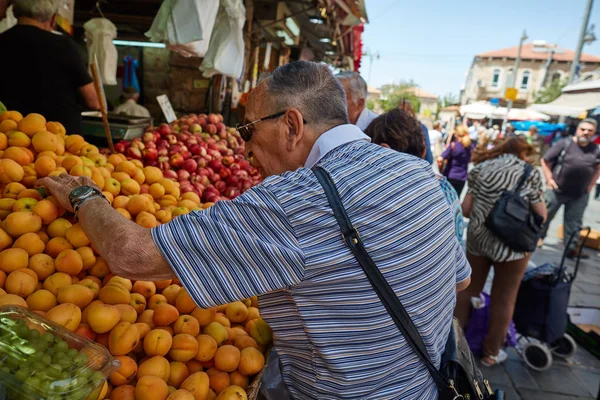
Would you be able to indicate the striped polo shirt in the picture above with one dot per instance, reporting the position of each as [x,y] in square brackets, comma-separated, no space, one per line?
[280,241]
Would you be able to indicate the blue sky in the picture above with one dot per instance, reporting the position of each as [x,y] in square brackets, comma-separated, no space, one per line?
[433,42]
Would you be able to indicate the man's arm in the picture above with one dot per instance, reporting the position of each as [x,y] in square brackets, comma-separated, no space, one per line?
[460,286]
[127,247]
[594,179]
[90,97]
[550,182]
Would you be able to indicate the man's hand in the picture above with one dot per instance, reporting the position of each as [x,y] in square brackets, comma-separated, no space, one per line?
[591,186]
[62,186]
[551,183]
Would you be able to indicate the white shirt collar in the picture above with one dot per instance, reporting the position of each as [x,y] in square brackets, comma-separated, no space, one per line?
[365,118]
[331,139]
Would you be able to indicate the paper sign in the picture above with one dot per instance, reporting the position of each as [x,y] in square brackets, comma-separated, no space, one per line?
[166,107]
[511,94]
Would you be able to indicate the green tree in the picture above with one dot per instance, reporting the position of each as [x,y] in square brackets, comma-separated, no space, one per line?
[449,99]
[550,92]
[393,94]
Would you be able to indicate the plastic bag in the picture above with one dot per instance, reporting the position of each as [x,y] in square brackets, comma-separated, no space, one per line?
[9,21]
[99,34]
[225,53]
[272,386]
[185,26]
[477,328]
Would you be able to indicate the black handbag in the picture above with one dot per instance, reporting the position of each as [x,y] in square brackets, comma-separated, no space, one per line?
[513,221]
[459,376]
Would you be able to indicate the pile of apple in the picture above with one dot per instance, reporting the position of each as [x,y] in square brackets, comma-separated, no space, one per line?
[168,347]
[199,152]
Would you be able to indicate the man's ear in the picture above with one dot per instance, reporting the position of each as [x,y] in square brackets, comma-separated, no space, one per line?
[361,104]
[295,127]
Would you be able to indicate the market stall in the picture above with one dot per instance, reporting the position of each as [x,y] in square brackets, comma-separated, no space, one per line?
[116,336]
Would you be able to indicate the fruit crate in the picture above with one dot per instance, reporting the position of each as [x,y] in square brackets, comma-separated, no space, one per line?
[42,360]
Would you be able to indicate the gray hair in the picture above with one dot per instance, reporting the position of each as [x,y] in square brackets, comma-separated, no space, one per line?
[309,87]
[40,10]
[358,86]
[590,121]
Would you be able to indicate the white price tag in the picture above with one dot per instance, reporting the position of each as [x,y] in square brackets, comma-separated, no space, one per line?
[166,107]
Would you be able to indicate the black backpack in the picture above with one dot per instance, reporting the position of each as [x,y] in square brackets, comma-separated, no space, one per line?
[513,221]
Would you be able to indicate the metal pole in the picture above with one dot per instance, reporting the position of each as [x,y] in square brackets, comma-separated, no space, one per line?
[514,80]
[584,26]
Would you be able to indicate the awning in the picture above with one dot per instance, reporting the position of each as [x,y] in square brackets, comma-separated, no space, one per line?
[519,114]
[570,104]
[479,110]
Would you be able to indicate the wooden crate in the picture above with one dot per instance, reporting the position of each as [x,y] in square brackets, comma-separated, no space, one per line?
[593,241]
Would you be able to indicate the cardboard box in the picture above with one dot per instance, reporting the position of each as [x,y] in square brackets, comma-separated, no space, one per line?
[593,241]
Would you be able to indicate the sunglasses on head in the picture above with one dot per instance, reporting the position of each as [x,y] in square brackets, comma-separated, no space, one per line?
[247,130]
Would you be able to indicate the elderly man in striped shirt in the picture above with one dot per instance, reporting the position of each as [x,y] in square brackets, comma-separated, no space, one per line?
[280,241]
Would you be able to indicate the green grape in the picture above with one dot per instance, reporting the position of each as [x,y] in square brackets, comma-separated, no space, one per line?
[39,366]
[33,381]
[22,330]
[65,363]
[97,377]
[85,374]
[5,369]
[47,359]
[50,351]
[61,347]
[65,375]
[48,337]
[72,353]
[22,375]
[34,334]
[80,359]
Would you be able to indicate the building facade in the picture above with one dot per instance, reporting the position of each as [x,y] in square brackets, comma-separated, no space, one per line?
[541,63]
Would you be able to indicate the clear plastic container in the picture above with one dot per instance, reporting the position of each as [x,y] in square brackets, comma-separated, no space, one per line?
[42,360]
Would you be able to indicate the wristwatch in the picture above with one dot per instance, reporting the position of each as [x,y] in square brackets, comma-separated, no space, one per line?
[82,194]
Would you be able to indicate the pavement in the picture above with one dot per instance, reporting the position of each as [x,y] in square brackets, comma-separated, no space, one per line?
[575,378]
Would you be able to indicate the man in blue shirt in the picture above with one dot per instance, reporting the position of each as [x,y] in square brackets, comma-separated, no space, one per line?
[280,241]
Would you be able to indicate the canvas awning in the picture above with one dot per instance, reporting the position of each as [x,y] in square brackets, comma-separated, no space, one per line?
[570,104]
[574,101]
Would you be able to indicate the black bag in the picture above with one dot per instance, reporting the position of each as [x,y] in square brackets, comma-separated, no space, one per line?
[513,221]
[459,376]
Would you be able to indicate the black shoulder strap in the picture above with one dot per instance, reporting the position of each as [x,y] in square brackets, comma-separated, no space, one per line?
[528,169]
[378,282]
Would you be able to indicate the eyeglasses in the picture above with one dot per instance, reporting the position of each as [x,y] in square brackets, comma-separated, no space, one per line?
[246,131]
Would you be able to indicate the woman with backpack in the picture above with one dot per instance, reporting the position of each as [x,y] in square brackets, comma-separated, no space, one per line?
[496,171]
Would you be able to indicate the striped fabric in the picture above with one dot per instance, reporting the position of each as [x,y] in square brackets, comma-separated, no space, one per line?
[487,182]
[281,241]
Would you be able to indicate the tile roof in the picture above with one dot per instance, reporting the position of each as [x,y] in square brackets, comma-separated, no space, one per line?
[421,93]
[531,52]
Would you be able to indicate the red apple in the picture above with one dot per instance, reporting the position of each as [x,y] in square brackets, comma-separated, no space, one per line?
[171,139]
[190,165]
[150,154]
[183,175]
[148,137]
[120,147]
[176,160]
[170,174]
[213,118]
[215,165]
[164,129]
[211,129]
[135,153]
